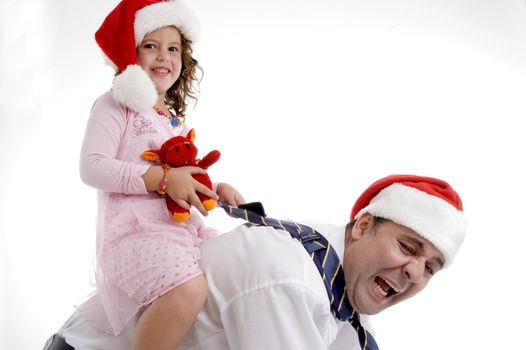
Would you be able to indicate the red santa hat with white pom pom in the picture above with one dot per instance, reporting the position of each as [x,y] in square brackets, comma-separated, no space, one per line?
[121,33]
[428,206]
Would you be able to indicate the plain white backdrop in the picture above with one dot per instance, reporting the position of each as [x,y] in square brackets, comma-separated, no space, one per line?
[309,102]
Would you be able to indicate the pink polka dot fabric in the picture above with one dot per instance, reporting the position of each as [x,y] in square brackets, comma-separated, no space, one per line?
[144,255]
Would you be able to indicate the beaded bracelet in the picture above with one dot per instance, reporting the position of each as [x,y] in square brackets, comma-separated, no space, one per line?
[164,181]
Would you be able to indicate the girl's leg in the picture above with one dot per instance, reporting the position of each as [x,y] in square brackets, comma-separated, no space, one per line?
[164,323]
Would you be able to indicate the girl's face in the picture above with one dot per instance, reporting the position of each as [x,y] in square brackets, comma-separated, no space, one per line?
[159,54]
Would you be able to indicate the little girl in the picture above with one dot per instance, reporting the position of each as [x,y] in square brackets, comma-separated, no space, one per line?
[146,262]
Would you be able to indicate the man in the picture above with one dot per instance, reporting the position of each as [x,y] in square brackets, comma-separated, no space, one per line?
[269,291]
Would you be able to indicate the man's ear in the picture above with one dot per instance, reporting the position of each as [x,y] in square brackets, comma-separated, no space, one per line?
[362,226]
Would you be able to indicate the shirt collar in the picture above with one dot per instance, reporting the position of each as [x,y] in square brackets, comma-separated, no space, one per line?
[335,235]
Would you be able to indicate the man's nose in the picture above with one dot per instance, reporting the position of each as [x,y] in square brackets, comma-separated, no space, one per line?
[414,270]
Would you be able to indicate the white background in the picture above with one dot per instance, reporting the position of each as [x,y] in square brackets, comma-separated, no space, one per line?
[309,102]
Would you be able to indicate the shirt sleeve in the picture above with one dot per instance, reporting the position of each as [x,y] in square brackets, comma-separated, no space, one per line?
[99,167]
[283,316]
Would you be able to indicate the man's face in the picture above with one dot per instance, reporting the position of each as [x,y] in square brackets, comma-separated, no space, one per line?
[386,265]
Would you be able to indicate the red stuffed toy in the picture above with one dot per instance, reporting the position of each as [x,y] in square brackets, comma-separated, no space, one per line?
[180,151]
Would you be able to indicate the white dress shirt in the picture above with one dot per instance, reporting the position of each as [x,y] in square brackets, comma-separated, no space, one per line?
[264,293]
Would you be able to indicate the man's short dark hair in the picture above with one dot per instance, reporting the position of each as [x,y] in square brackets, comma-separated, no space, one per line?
[377,222]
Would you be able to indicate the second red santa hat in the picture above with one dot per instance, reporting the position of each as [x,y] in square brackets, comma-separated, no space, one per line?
[428,206]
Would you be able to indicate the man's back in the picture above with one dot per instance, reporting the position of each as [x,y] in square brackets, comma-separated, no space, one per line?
[264,292]
[260,280]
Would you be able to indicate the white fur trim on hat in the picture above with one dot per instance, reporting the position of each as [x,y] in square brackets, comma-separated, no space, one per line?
[166,13]
[108,62]
[431,217]
[134,89]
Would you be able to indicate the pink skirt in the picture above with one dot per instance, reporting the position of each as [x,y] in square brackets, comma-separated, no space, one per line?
[141,255]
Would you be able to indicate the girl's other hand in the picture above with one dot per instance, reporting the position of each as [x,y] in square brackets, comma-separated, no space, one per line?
[229,195]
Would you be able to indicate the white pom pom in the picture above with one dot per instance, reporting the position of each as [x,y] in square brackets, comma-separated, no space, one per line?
[134,89]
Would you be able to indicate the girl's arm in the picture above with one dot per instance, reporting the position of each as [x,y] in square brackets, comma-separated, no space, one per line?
[99,167]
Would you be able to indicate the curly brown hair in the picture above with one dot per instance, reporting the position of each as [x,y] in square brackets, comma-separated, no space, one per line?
[187,86]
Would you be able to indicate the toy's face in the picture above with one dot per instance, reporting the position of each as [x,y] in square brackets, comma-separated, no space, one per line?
[180,154]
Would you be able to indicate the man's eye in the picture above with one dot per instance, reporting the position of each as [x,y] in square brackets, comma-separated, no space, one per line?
[407,248]
[430,270]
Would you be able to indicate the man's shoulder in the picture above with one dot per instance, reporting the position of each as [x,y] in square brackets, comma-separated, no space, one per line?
[256,246]
[251,257]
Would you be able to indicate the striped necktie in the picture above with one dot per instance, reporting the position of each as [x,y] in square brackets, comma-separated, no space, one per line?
[325,259]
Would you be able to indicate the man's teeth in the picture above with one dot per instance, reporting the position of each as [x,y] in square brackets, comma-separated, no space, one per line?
[384,287]
[379,289]
[390,285]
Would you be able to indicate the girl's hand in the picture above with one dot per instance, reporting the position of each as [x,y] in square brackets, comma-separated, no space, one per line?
[229,195]
[182,188]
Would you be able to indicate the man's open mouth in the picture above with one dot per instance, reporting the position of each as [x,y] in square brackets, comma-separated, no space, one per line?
[384,287]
